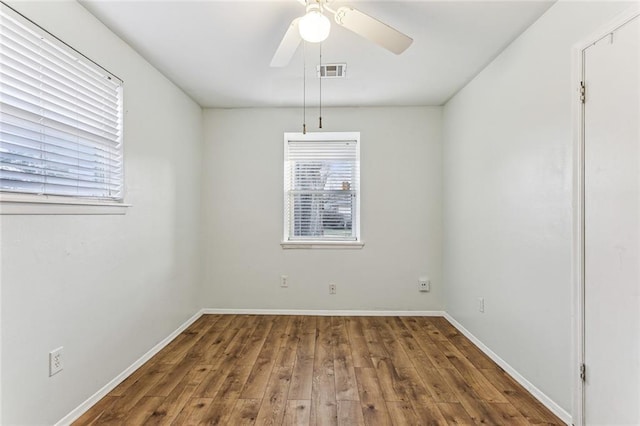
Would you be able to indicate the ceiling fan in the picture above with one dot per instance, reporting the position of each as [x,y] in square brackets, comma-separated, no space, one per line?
[314,27]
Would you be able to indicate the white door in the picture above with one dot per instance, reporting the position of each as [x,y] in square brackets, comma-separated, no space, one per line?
[612,228]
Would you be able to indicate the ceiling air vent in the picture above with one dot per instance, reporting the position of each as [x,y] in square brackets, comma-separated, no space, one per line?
[332,70]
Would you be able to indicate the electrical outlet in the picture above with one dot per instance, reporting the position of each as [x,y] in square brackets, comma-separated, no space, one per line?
[284,281]
[481,304]
[424,284]
[332,288]
[55,361]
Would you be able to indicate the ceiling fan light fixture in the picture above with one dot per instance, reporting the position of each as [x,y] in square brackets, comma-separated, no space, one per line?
[314,26]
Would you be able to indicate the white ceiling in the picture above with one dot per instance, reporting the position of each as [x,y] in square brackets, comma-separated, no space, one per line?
[219,51]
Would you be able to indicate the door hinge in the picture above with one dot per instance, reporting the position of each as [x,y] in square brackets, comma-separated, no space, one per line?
[583,372]
[583,92]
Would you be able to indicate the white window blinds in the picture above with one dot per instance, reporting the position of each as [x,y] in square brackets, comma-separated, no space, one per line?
[322,184]
[60,117]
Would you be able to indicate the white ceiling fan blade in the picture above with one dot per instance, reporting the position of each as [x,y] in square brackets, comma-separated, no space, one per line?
[372,29]
[288,45]
[303,2]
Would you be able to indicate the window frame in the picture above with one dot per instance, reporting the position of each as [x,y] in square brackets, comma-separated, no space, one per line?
[310,243]
[16,202]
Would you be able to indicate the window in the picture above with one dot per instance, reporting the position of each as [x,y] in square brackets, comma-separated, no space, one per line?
[322,189]
[60,117]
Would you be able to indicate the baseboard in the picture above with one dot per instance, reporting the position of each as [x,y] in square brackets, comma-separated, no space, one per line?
[324,312]
[537,393]
[82,408]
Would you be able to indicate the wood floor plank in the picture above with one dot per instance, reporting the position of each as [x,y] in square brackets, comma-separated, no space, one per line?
[345,376]
[245,412]
[297,413]
[416,393]
[433,381]
[208,335]
[402,413]
[244,328]
[302,377]
[179,396]
[407,340]
[250,352]
[397,354]
[219,412]
[473,354]
[259,377]
[275,397]
[323,413]
[428,323]
[224,364]
[464,345]
[467,396]
[498,413]
[174,376]
[206,320]
[287,353]
[306,370]
[533,411]
[150,367]
[214,381]
[358,343]
[323,389]
[454,413]
[483,387]
[374,408]
[132,395]
[193,411]
[232,385]
[445,327]
[412,324]
[506,414]
[428,345]
[172,405]
[369,388]
[175,351]
[198,373]
[223,336]
[144,409]
[389,380]
[350,413]
[92,415]
[373,339]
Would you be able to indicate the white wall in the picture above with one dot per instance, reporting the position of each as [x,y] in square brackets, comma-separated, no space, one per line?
[507,161]
[107,288]
[400,204]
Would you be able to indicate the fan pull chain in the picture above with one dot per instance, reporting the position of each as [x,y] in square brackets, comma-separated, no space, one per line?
[320,78]
[304,87]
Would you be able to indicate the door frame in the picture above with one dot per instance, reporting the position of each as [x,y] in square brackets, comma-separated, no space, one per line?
[578,262]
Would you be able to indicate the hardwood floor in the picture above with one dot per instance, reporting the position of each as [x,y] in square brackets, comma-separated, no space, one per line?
[303,370]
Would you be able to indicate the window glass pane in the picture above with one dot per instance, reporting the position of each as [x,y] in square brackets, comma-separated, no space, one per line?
[322,185]
[60,116]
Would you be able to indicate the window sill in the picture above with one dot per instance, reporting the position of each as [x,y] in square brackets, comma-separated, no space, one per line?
[20,204]
[322,244]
